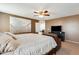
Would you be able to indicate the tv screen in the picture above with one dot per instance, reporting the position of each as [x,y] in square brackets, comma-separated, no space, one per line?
[56,28]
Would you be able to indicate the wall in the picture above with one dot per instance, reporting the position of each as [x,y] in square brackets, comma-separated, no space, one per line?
[4,22]
[70,25]
[33,27]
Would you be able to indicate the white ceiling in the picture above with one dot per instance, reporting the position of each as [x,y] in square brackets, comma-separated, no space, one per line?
[56,10]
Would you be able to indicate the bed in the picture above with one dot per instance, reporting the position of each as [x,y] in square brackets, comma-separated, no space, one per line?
[31,44]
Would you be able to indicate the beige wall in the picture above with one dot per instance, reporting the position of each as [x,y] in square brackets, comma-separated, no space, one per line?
[4,22]
[33,25]
[70,25]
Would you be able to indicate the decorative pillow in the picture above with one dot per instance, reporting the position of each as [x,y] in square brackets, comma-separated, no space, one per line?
[7,43]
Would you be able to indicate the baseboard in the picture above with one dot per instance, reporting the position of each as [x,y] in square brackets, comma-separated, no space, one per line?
[72,41]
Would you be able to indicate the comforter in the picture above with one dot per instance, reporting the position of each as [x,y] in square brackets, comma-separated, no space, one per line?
[33,44]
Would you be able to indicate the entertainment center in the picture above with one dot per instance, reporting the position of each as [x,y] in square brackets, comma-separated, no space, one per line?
[58,30]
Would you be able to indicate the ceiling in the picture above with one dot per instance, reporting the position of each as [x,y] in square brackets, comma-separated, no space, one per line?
[56,10]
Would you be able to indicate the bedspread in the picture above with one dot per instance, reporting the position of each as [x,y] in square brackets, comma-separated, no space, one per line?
[33,44]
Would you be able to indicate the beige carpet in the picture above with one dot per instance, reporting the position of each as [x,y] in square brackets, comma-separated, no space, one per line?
[68,49]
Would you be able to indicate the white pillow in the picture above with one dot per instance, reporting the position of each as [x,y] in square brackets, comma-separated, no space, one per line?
[11,34]
[7,43]
[12,45]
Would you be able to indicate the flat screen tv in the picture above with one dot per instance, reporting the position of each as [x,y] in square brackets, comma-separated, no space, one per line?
[56,28]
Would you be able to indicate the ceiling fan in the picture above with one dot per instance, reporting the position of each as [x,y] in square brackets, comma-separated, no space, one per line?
[41,13]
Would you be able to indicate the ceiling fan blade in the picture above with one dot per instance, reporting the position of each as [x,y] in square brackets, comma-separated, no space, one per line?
[45,11]
[35,12]
[47,15]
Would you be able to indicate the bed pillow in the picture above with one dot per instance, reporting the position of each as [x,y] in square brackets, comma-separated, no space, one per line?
[7,43]
[11,34]
[12,45]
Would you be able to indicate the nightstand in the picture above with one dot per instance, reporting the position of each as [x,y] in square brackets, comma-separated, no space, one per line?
[61,35]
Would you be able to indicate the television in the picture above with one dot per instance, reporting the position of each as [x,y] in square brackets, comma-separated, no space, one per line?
[56,28]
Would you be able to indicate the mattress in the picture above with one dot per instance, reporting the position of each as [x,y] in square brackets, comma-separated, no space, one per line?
[33,44]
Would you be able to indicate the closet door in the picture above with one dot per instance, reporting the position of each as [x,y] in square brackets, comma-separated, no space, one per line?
[19,25]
